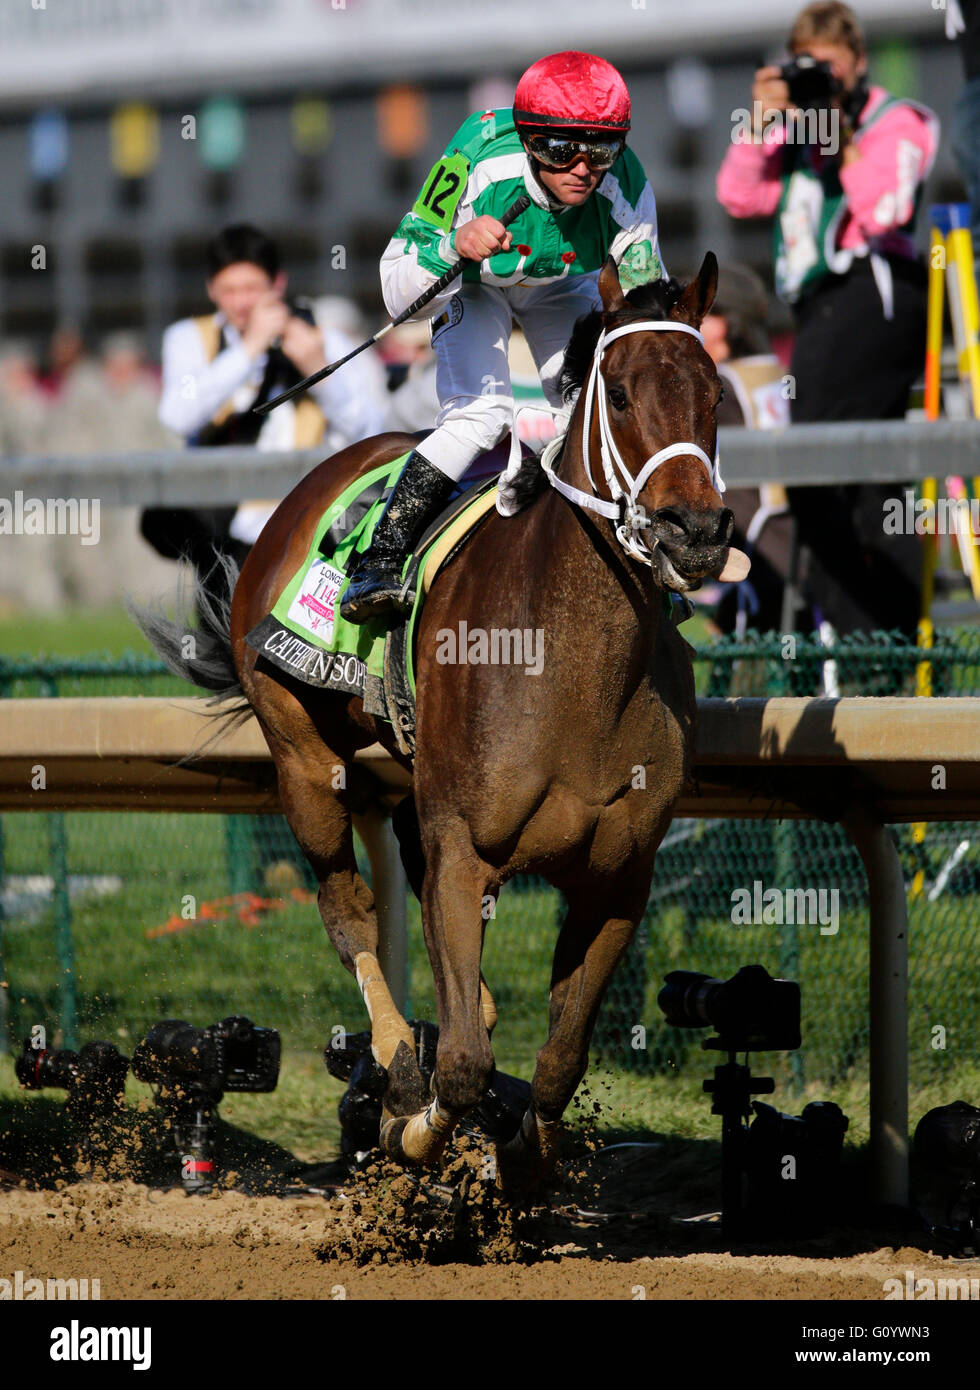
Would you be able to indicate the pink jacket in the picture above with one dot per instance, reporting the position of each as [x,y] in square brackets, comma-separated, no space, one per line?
[896,155]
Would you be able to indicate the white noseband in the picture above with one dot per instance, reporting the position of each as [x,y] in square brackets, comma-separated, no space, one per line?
[624,507]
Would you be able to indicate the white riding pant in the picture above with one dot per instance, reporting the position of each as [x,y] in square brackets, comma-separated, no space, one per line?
[472,371]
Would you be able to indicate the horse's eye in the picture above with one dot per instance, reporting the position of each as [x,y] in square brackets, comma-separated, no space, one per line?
[617,396]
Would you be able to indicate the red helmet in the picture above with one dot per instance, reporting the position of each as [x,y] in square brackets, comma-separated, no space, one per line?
[572,91]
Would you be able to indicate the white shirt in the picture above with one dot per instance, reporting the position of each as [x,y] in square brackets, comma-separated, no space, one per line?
[194,389]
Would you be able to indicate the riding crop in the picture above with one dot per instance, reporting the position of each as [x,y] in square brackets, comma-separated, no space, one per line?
[513,212]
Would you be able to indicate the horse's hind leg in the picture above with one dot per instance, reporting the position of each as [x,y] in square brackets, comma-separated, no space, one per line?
[405,823]
[319,816]
[596,931]
[455,888]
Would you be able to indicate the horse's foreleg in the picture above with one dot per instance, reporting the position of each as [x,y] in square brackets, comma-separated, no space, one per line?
[592,940]
[456,884]
[319,817]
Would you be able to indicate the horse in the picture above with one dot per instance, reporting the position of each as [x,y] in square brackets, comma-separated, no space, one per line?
[570,769]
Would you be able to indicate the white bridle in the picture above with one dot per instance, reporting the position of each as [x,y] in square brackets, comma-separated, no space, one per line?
[624,506]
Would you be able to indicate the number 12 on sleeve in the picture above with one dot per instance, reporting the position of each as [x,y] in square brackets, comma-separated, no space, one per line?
[443,190]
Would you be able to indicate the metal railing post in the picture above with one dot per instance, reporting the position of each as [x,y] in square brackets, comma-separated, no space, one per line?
[64,943]
[888,1007]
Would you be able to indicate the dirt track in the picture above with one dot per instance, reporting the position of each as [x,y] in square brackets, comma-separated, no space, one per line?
[143,1243]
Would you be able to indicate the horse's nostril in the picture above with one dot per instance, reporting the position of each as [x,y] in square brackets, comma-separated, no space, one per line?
[681,528]
[672,524]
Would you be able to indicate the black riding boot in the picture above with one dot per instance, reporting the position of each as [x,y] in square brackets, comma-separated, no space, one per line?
[375,586]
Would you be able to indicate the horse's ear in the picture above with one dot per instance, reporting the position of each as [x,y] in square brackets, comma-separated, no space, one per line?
[610,290]
[699,295]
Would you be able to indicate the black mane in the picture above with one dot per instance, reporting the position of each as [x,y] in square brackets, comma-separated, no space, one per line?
[656,299]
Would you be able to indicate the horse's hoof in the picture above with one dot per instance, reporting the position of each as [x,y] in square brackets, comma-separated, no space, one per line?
[526,1162]
[392,1131]
[417,1138]
[405,1094]
[521,1175]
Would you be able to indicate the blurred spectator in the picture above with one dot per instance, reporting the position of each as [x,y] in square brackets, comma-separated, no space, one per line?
[76,411]
[413,402]
[846,260]
[131,395]
[736,336]
[66,350]
[963,24]
[22,401]
[219,366]
[28,564]
[102,407]
[83,408]
[343,327]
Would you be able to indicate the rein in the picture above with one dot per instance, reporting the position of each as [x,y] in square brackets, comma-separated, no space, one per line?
[624,507]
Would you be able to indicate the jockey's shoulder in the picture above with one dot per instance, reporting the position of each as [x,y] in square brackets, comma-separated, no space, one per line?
[485,135]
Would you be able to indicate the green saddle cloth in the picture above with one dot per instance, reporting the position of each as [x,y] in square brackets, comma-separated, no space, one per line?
[305,635]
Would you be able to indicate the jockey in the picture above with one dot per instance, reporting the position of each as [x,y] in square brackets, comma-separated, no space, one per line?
[564,144]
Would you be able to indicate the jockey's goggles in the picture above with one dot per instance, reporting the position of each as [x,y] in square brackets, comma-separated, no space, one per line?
[558,152]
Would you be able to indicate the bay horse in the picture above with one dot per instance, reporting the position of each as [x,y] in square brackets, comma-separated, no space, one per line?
[571,772]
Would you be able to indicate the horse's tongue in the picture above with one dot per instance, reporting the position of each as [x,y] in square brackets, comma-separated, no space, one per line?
[737,566]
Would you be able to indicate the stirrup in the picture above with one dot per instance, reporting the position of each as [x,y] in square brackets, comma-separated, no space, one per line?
[375,593]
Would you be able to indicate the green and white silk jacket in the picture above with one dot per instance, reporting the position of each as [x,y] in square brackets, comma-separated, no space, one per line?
[482,172]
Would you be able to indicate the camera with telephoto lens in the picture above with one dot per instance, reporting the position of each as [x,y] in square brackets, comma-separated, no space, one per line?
[749,1012]
[94,1078]
[193,1068]
[233,1055]
[812,84]
[781,1174]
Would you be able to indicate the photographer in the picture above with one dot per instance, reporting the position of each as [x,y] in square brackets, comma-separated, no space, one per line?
[217,367]
[846,261]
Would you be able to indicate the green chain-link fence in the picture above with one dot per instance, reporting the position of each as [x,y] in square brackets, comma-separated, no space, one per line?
[198,916]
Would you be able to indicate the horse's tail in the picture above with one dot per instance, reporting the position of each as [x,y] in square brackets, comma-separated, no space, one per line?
[202,653]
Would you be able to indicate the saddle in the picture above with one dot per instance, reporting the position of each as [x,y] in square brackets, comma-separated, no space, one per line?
[304,635]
